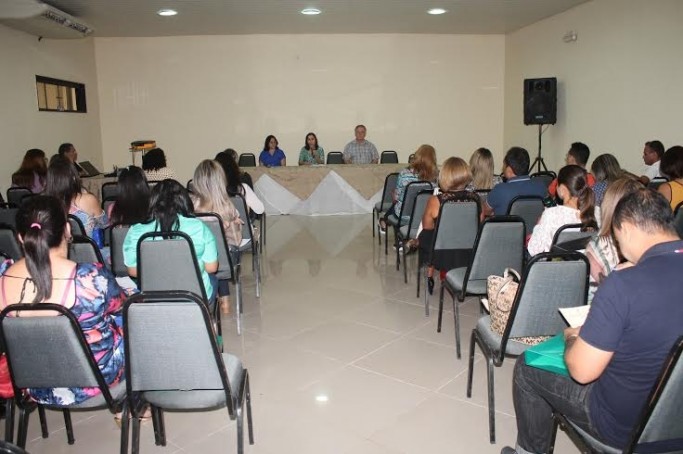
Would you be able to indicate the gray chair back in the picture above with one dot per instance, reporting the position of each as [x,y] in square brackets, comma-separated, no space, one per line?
[678,219]
[110,190]
[546,177]
[571,232]
[457,224]
[9,244]
[335,157]
[241,205]
[409,196]
[550,281]
[656,182]
[529,208]
[214,222]
[16,194]
[663,413]
[387,193]
[388,157]
[107,202]
[187,360]
[247,160]
[418,211]
[8,215]
[84,250]
[499,245]
[117,233]
[48,351]
[77,227]
[167,261]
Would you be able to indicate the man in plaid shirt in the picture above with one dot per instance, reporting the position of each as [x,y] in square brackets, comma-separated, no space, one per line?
[360,151]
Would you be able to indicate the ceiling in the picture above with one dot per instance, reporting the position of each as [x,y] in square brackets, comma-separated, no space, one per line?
[129,18]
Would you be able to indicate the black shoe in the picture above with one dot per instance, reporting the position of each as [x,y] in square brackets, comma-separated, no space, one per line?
[430,285]
[508,450]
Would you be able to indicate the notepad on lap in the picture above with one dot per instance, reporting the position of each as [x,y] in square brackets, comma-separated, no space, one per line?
[575,316]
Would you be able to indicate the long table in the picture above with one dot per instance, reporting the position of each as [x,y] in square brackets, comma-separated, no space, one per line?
[321,190]
[307,190]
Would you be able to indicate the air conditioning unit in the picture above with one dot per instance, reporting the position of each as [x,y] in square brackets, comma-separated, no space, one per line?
[42,20]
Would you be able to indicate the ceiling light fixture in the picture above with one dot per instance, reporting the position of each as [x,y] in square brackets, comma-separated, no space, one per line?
[436,11]
[310,11]
[167,12]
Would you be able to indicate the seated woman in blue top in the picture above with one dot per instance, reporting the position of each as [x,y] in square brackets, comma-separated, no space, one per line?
[170,209]
[272,156]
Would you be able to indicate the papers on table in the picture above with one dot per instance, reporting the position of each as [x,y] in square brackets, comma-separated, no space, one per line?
[575,316]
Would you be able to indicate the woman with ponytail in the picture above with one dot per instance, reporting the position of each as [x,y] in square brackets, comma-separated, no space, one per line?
[578,206]
[88,290]
[170,209]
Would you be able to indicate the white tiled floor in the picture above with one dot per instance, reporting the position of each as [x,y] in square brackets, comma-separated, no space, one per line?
[335,319]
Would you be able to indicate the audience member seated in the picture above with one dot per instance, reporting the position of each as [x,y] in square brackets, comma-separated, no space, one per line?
[614,359]
[33,171]
[652,154]
[359,150]
[230,153]
[155,166]
[606,169]
[88,290]
[272,156]
[481,166]
[517,182]
[171,210]
[602,251]
[578,155]
[672,168]
[209,195]
[423,168]
[236,186]
[311,152]
[453,179]
[68,151]
[578,206]
[132,202]
[64,183]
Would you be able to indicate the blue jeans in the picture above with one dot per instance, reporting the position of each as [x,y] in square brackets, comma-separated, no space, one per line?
[536,394]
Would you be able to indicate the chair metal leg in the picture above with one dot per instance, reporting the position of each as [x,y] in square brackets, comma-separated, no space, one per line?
[417,277]
[43,422]
[553,435]
[9,420]
[470,367]
[373,223]
[257,272]
[492,401]
[240,431]
[136,434]
[250,424]
[155,426]
[456,320]
[426,292]
[23,427]
[124,428]
[440,317]
[162,427]
[405,264]
[69,427]
[398,244]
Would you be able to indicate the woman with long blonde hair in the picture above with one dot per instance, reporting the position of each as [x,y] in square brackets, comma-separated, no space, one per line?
[481,166]
[209,195]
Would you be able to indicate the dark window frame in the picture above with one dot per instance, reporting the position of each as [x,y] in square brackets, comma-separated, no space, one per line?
[79,88]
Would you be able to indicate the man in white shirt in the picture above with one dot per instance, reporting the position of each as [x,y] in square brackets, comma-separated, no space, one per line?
[652,154]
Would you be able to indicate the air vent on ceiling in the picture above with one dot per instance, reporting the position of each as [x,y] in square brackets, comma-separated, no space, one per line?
[48,22]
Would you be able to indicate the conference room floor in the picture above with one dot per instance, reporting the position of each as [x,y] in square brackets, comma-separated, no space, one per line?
[342,360]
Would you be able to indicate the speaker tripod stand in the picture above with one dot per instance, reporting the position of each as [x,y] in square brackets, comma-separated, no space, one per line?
[539,162]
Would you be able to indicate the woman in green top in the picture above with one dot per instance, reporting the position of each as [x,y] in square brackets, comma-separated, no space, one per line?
[311,153]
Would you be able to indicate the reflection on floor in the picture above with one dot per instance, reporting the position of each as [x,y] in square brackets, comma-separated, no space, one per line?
[341,358]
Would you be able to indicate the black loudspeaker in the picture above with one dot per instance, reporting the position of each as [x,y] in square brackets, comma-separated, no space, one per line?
[540,101]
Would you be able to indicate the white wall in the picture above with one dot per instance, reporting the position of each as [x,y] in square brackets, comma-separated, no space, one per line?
[620,83]
[198,95]
[22,126]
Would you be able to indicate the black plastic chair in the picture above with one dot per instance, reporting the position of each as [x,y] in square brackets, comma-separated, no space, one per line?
[9,244]
[84,250]
[77,227]
[409,195]
[253,244]
[571,237]
[193,376]
[335,157]
[388,157]
[528,207]
[385,202]
[546,177]
[51,352]
[8,214]
[656,182]
[117,234]
[409,231]
[659,422]
[565,276]
[16,194]
[247,160]
[110,190]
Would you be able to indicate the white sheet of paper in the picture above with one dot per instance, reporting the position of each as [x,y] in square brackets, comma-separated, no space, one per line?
[485,303]
[575,316]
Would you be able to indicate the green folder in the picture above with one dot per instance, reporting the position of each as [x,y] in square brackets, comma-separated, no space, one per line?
[548,355]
